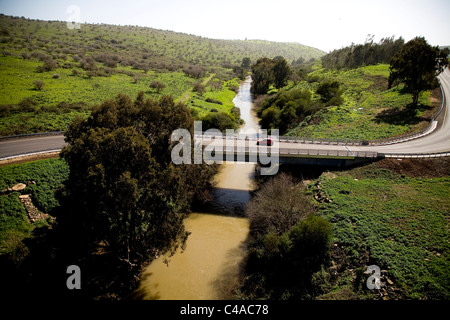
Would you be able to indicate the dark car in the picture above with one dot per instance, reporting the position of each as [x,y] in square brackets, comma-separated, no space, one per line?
[264,142]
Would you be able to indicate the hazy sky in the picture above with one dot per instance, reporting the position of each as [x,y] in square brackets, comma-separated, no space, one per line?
[323,24]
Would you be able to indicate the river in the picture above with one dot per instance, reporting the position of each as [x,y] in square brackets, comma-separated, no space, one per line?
[209,267]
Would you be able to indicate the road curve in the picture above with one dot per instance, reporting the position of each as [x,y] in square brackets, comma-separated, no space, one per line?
[436,142]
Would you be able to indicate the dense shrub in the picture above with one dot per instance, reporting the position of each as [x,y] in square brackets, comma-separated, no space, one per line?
[39,84]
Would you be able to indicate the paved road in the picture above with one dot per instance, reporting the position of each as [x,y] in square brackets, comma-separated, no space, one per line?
[29,145]
[435,142]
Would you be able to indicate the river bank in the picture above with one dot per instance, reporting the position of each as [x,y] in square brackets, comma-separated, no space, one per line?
[209,267]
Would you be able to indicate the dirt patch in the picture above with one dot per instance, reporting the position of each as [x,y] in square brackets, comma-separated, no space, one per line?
[30,158]
[421,168]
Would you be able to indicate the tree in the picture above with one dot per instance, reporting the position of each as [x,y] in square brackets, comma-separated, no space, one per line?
[157,85]
[246,63]
[417,64]
[218,120]
[281,72]
[123,189]
[330,93]
[277,206]
[39,85]
[263,76]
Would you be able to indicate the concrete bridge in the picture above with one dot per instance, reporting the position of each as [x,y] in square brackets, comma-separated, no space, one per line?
[434,141]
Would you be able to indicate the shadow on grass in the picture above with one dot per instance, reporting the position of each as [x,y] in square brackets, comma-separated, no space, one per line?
[404,116]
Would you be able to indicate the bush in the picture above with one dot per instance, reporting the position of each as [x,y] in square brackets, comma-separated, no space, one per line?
[39,85]
[218,120]
[277,206]
[194,71]
[330,93]
[210,100]
[198,87]
[48,65]
[157,85]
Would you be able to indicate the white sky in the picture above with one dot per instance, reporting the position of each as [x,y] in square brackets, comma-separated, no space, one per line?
[323,24]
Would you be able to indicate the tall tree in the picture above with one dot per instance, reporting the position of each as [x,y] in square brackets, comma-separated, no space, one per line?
[417,64]
[123,189]
[281,72]
[246,63]
[330,93]
[262,74]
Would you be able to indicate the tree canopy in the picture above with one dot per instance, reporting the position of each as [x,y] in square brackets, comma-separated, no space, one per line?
[267,72]
[123,189]
[417,64]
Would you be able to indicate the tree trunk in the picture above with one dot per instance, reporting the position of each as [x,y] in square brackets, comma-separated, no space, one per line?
[416,96]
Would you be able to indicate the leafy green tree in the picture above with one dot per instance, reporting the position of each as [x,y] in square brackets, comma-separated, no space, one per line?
[281,72]
[270,118]
[330,93]
[123,190]
[218,120]
[246,63]
[417,64]
[157,85]
[285,109]
[288,243]
[263,76]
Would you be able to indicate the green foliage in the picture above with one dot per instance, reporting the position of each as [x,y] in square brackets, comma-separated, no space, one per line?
[417,65]
[358,55]
[123,188]
[286,108]
[281,72]
[262,75]
[101,61]
[288,243]
[218,120]
[46,177]
[267,72]
[397,223]
[330,93]
[369,110]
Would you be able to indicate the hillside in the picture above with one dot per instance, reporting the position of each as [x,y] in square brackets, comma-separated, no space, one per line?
[152,47]
[51,74]
[369,111]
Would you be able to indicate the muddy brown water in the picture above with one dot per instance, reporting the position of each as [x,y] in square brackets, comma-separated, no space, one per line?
[208,268]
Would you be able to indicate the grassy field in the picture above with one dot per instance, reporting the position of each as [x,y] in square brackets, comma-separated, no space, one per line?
[44,176]
[26,109]
[215,98]
[370,110]
[83,67]
[394,216]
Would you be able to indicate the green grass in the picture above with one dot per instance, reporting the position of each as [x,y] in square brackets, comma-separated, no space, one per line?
[17,84]
[398,223]
[370,111]
[200,107]
[47,176]
[18,76]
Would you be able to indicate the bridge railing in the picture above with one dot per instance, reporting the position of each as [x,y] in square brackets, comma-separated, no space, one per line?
[283,152]
[415,155]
